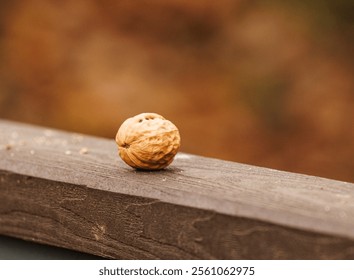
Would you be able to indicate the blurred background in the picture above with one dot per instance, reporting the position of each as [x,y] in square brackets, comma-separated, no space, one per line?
[268,83]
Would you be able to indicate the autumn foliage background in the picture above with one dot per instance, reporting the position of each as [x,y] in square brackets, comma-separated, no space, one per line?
[267,83]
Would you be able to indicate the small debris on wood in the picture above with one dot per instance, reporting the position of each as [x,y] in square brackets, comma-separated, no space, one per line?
[8,147]
[83,151]
[68,152]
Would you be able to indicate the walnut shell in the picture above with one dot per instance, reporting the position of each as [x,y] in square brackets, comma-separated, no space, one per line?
[148,141]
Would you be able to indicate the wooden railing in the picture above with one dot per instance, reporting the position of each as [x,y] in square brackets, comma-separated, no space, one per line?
[73,191]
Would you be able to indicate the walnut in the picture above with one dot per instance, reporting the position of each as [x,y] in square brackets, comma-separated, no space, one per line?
[148,141]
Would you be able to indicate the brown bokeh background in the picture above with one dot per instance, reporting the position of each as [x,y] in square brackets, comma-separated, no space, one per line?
[267,83]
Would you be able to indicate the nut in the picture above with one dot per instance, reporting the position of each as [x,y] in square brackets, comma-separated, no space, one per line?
[148,141]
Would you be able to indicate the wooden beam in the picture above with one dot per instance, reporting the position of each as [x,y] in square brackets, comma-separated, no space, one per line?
[73,191]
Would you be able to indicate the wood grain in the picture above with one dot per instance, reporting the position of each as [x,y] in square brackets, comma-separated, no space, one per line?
[73,191]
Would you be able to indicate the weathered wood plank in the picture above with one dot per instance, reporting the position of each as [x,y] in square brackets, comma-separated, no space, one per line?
[73,191]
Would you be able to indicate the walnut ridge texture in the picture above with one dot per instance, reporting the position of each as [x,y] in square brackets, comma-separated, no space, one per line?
[148,141]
